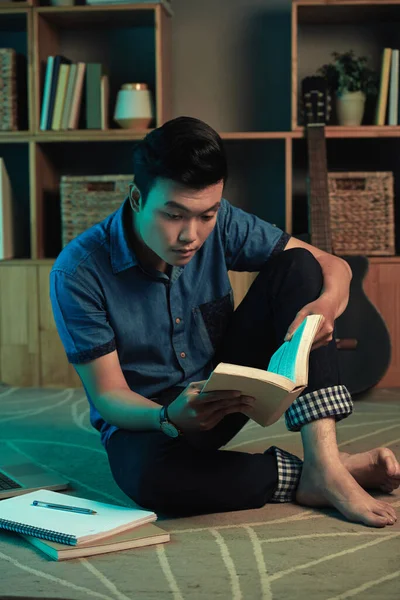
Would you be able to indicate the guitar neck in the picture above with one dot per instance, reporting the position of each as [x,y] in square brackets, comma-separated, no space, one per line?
[319,216]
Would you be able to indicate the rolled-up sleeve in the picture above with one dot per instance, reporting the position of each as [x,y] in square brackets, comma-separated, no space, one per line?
[248,240]
[81,318]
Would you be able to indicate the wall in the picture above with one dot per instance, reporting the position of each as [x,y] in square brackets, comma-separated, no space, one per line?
[231,68]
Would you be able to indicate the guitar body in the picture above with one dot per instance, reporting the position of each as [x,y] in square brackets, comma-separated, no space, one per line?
[361,334]
[364,366]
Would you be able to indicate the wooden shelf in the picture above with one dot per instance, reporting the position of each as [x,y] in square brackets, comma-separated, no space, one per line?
[336,12]
[87,135]
[113,15]
[256,135]
[114,135]
[365,131]
[384,259]
[9,137]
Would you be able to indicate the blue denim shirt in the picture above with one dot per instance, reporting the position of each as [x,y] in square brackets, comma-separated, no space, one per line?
[165,329]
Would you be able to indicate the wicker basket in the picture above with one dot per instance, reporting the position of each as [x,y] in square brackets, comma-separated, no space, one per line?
[362,213]
[86,200]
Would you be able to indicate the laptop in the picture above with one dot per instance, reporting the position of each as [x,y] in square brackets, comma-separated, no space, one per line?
[19,476]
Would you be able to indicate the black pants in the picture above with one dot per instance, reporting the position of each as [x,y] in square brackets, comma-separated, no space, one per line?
[190,474]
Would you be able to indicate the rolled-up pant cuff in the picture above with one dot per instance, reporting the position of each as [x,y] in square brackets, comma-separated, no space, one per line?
[333,401]
[289,471]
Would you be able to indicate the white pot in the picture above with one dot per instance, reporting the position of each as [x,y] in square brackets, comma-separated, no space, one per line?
[134,106]
[350,108]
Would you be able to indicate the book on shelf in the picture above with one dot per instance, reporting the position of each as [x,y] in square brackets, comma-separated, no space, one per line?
[58,61]
[68,96]
[94,74]
[277,387]
[76,108]
[105,99]
[61,91]
[394,89]
[46,93]
[381,108]
[19,514]
[144,535]
[7,249]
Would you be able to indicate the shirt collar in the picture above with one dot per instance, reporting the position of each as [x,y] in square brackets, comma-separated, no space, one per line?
[122,254]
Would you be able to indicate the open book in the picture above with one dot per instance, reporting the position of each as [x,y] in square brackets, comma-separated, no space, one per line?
[19,514]
[276,388]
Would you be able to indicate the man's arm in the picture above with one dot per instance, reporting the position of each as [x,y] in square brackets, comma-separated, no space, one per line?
[334,296]
[116,402]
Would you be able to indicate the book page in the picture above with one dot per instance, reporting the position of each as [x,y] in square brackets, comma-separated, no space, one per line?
[283,362]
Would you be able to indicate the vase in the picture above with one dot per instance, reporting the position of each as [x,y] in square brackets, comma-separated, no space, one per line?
[350,108]
[134,106]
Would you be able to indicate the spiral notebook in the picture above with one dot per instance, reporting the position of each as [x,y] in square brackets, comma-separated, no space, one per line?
[20,515]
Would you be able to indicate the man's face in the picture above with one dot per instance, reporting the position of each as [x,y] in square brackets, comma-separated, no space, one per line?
[175,222]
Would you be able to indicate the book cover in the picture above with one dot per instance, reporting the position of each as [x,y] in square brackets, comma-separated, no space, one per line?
[77,96]
[68,97]
[145,535]
[58,61]
[105,97]
[384,88]
[46,93]
[6,215]
[277,387]
[394,88]
[67,526]
[60,96]
[94,72]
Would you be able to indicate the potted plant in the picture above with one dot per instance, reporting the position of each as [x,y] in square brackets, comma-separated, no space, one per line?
[352,81]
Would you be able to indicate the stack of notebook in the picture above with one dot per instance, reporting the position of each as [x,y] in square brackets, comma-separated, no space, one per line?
[64,526]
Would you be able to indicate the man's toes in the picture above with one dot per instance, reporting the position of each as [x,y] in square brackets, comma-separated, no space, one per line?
[384,508]
[392,466]
[378,520]
[385,514]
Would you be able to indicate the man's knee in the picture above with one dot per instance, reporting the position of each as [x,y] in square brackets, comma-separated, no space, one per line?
[301,258]
[299,264]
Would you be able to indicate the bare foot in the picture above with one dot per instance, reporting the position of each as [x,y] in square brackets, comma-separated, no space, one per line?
[335,486]
[377,468]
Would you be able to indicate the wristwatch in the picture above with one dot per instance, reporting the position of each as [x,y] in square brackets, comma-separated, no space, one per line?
[166,426]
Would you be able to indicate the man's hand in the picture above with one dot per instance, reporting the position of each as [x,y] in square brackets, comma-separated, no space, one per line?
[324,306]
[193,410]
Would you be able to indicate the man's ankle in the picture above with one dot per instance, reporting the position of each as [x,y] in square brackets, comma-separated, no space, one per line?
[319,443]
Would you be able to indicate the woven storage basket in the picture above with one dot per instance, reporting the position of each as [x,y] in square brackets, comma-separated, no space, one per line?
[88,200]
[362,213]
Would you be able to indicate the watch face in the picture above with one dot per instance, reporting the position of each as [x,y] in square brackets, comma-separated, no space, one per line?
[169,429]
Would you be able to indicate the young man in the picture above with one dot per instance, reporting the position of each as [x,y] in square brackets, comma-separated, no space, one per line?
[144,308]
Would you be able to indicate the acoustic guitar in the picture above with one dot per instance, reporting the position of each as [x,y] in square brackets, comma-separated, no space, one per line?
[360,332]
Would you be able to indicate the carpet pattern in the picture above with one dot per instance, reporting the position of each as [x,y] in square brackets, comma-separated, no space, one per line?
[277,552]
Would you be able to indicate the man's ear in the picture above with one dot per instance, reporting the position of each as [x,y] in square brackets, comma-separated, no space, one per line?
[134,197]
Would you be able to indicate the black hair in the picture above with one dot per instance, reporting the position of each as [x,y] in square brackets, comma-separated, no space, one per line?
[185,150]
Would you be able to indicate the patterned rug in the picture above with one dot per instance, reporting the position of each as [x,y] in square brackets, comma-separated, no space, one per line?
[277,552]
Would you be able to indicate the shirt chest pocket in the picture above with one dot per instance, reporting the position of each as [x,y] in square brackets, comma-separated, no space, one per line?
[212,320]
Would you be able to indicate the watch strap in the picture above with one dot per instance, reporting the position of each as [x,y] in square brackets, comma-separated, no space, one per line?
[164,418]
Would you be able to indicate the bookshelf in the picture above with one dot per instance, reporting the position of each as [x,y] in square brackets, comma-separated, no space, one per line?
[30,351]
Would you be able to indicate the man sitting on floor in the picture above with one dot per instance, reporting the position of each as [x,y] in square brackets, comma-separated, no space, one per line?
[144,308]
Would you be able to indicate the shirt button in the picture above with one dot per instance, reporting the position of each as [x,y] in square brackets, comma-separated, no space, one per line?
[183,355]
[177,320]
